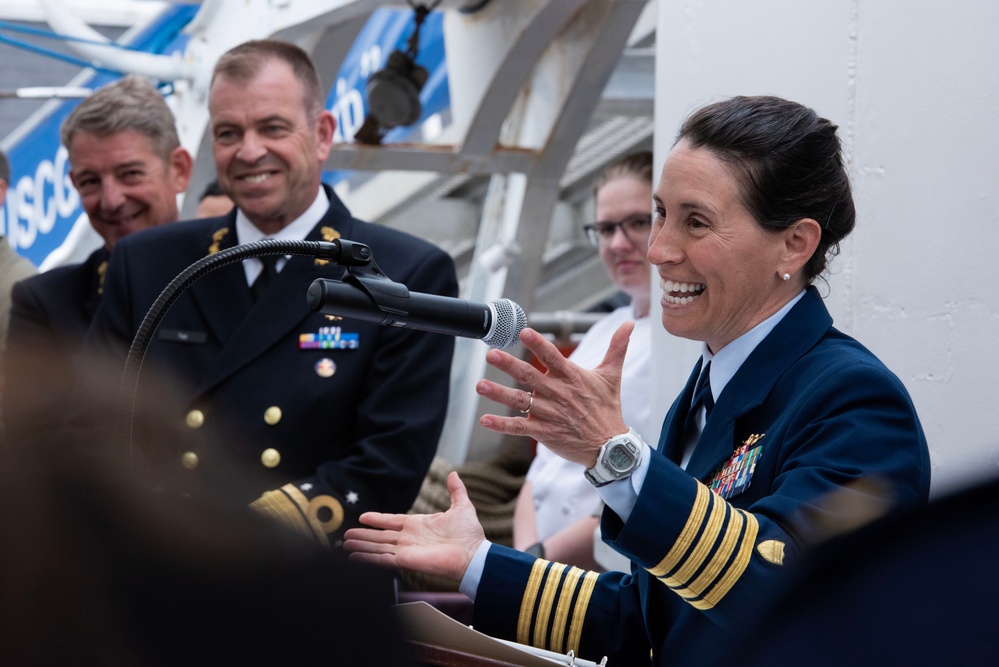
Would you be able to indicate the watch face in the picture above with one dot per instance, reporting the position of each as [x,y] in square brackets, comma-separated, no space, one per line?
[620,457]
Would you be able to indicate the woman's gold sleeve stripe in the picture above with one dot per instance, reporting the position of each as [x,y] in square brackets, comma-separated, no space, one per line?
[564,605]
[548,597]
[530,597]
[711,553]
[705,543]
[579,612]
[739,564]
[557,596]
[687,535]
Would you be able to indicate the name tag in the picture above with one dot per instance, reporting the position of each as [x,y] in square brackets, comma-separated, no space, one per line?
[181,336]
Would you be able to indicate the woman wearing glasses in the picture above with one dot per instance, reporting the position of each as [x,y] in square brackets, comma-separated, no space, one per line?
[557,510]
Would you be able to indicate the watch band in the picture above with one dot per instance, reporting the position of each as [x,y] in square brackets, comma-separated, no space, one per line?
[537,550]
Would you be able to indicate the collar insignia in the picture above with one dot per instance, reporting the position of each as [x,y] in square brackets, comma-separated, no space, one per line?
[217,240]
[102,270]
[328,234]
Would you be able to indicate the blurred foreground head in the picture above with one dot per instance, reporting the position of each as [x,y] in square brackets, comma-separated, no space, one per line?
[100,566]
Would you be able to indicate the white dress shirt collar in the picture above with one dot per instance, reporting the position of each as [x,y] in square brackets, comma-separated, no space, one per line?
[247,232]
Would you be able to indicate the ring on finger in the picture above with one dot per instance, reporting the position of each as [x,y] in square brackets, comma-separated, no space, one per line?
[530,404]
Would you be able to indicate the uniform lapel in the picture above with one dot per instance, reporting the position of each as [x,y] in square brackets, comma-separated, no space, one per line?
[793,336]
[94,269]
[223,297]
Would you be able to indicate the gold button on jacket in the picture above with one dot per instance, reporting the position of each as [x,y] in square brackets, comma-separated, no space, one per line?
[272,415]
[195,418]
[270,458]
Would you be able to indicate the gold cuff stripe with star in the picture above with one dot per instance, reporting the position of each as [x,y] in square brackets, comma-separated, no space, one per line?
[554,606]
[290,506]
[711,553]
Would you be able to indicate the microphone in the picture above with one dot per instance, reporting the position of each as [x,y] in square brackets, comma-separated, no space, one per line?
[498,323]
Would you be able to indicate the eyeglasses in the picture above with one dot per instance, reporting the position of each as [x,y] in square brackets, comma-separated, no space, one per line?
[635,227]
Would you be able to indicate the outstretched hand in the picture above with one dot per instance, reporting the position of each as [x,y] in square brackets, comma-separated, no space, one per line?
[439,544]
[571,410]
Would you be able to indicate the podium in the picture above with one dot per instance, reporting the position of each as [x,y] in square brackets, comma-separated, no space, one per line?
[438,640]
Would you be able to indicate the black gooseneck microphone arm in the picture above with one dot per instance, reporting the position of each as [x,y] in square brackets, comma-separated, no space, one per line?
[355,256]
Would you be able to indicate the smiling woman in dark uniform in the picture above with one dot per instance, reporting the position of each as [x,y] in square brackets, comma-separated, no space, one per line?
[781,412]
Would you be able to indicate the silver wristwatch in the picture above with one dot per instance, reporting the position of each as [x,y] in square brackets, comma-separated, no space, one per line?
[617,459]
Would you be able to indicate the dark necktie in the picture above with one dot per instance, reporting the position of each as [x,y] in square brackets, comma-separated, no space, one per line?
[265,277]
[702,396]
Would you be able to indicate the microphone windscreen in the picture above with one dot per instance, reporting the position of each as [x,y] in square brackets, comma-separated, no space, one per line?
[509,320]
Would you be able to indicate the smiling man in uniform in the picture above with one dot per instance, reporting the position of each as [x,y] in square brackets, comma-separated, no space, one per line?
[128,166]
[309,419]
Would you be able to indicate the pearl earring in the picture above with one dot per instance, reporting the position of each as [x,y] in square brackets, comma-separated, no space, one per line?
[786,277]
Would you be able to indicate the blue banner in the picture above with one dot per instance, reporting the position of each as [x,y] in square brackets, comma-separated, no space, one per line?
[388,30]
[42,206]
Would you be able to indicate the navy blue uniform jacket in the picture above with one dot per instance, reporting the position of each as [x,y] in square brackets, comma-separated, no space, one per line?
[822,414]
[311,435]
[49,317]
